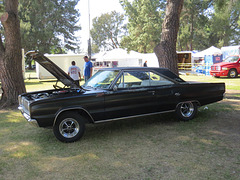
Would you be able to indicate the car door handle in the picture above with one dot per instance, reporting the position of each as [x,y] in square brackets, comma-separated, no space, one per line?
[152,92]
[177,94]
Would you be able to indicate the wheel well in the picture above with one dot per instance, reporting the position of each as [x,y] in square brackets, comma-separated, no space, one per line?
[192,101]
[81,112]
[233,69]
[197,102]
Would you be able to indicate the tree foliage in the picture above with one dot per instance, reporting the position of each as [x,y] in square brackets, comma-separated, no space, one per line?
[203,23]
[194,25]
[225,27]
[107,30]
[144,27]
[49,26]
[206,23]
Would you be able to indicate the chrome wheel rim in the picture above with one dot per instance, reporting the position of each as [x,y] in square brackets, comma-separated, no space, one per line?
[69,128]
[186,109]
[232,74]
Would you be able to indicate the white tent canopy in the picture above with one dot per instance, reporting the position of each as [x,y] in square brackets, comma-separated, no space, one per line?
[230,50]
[121,54]
[210,51]
[115,54]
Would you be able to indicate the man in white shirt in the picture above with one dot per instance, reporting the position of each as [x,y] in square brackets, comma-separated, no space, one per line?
[74,72]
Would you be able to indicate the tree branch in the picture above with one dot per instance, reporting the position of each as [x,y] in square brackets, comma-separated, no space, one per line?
[4,17]
[114,44]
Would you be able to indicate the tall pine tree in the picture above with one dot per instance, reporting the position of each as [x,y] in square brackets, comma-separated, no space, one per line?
[225,23]
[144,27]
[166,49]
[194,27]
[49,26]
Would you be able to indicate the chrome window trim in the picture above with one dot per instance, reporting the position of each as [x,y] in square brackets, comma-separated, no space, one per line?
[115,80]
[148,71]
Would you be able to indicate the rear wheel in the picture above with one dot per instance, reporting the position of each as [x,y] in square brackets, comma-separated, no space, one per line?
[186,110]
[232,73]
[69,127]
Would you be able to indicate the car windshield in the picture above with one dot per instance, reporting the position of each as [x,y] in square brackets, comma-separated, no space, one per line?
[102,79]
[231,59]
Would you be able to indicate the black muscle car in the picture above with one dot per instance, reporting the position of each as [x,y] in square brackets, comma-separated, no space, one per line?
[112,94]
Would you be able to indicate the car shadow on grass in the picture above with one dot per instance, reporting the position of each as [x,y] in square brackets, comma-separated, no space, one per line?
[156,122]
[235,96]
[130,126]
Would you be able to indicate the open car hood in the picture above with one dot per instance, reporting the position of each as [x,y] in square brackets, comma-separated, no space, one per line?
[52,68]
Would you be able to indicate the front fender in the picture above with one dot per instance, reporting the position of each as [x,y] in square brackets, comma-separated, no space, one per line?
[75,108]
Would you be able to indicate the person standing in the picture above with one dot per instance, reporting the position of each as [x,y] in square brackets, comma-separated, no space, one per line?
[145,64]
[74,72]
[87,68]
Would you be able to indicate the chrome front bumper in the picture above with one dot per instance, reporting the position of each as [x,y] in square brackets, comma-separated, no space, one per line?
[33,122]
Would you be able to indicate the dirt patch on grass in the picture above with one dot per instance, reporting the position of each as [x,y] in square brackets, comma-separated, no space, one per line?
[232,94]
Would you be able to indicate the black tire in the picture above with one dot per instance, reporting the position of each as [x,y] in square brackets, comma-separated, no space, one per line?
[186,110]
[232,73]
[69,127]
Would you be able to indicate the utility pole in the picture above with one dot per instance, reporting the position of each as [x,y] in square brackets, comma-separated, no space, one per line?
[89,40]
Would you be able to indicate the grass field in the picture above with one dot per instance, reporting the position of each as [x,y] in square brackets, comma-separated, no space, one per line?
[231,83]
[154,147]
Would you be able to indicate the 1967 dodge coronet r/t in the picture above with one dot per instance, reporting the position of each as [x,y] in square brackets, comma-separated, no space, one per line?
[112,94]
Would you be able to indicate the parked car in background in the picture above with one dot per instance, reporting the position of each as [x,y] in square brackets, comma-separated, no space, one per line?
[229,67]
[112,94]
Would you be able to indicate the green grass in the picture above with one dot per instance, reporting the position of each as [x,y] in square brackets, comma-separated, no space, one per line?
[231,83]
[153,147]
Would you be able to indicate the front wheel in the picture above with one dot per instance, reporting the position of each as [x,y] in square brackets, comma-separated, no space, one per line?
[186,110]
[69,127]
[232,73]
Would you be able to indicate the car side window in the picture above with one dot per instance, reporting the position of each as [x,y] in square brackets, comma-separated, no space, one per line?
[131,79]
[138,79]
[158,80]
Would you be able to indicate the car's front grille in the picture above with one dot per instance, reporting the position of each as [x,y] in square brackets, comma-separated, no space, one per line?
[215,68]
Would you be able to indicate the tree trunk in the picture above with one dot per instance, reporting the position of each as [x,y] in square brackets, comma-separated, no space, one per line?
[166,49]
[11,57]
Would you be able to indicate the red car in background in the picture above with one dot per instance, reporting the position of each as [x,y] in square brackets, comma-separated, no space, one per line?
[229,67]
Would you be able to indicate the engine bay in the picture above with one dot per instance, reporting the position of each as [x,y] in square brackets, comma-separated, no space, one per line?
[49,94]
